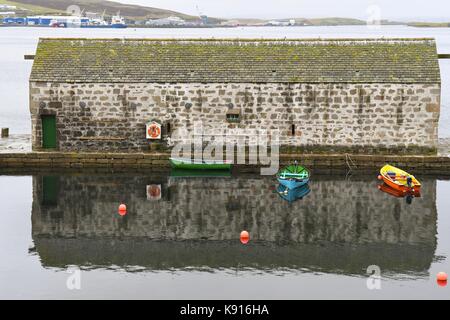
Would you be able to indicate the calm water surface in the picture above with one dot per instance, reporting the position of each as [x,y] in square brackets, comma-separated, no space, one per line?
[17,41]
[180,237]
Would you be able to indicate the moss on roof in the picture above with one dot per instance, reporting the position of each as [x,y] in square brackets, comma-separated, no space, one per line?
[237,60]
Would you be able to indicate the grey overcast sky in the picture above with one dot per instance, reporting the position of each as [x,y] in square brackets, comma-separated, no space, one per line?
[390,9]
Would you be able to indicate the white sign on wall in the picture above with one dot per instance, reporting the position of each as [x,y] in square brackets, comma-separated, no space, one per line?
[153,130]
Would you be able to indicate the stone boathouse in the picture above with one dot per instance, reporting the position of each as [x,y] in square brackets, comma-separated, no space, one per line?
[336,95]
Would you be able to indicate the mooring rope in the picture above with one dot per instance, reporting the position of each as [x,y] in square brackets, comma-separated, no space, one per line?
[350,162]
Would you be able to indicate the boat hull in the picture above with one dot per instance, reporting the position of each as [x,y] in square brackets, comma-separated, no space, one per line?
[208,165]
[292,195]
[182,173]
[400,188]
[399,183]
[398,193]
[292,183]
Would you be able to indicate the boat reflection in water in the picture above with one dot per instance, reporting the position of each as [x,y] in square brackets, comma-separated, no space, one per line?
[292,195]
[184,173]
[409,195]
[194,224]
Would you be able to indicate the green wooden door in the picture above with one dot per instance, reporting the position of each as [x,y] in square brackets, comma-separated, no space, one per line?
[48,132]
[50,186]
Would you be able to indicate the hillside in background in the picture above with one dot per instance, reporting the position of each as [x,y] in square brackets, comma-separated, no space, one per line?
[110,8]
[135,13]
[333,21]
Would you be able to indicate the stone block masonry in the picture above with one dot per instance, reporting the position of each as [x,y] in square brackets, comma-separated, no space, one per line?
[160,162]
[355,118]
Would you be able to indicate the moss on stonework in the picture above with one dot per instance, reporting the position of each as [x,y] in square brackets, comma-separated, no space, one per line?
[382,150]
[224,61]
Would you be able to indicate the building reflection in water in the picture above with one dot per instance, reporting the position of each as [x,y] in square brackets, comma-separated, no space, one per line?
[194,223]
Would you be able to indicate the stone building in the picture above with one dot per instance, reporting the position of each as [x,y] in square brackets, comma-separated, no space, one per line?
[75,222]
[348,95]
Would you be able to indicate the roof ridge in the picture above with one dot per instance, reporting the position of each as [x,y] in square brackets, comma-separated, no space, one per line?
[241,39]
[373,60]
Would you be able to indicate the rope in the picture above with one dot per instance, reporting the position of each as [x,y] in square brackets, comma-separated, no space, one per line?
[350,162]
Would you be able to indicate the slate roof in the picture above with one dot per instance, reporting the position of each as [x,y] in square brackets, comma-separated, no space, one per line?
[236,61]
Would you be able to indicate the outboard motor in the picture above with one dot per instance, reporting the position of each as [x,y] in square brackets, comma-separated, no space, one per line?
[409,199]
[409,182]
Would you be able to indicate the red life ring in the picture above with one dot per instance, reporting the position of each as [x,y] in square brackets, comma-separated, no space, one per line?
[154,191]
[154,131]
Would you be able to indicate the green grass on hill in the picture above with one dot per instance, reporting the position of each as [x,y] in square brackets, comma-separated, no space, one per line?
[429,24]
[110,8]
[333,21]
[30,7]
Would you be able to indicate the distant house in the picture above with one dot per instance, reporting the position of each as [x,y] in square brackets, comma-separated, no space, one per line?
[7,13]
[340,95]
[7,7]
[169,21]
[283,23]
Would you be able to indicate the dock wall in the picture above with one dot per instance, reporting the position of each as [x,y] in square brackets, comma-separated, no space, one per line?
[159,161]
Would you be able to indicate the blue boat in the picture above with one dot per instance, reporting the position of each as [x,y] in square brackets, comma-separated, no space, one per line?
[293,176]
[292,195]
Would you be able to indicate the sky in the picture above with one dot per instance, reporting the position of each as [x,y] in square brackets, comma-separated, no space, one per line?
[420,10]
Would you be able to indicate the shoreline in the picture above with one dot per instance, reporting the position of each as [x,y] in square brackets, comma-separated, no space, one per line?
[425,25]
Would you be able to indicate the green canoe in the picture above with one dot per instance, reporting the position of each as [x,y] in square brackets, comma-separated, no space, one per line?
[179,163]
[183,173]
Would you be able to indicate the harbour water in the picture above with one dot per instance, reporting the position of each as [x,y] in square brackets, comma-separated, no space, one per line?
[180,237]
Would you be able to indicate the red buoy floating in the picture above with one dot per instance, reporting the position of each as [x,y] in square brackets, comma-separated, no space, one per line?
[122,209]
[442,279]
[442,276]
[441,283]
[245,237]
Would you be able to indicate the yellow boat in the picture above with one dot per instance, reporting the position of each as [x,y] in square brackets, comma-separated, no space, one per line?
[399,179]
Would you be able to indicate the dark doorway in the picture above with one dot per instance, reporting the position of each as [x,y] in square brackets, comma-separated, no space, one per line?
[48,132]
[50,187]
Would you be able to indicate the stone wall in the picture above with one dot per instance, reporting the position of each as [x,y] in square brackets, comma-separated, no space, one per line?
[377,118]
[16,162]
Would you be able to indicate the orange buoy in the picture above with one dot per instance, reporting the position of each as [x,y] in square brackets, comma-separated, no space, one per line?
[441,283]
[442,276]
[122,209]
[380,177]
[245,237]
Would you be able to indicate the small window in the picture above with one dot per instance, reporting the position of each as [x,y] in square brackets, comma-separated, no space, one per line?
[168,128]
[234,115]
[293,129]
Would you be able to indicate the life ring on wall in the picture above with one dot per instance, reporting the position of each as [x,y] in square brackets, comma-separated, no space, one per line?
[154,131]
[154,191]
